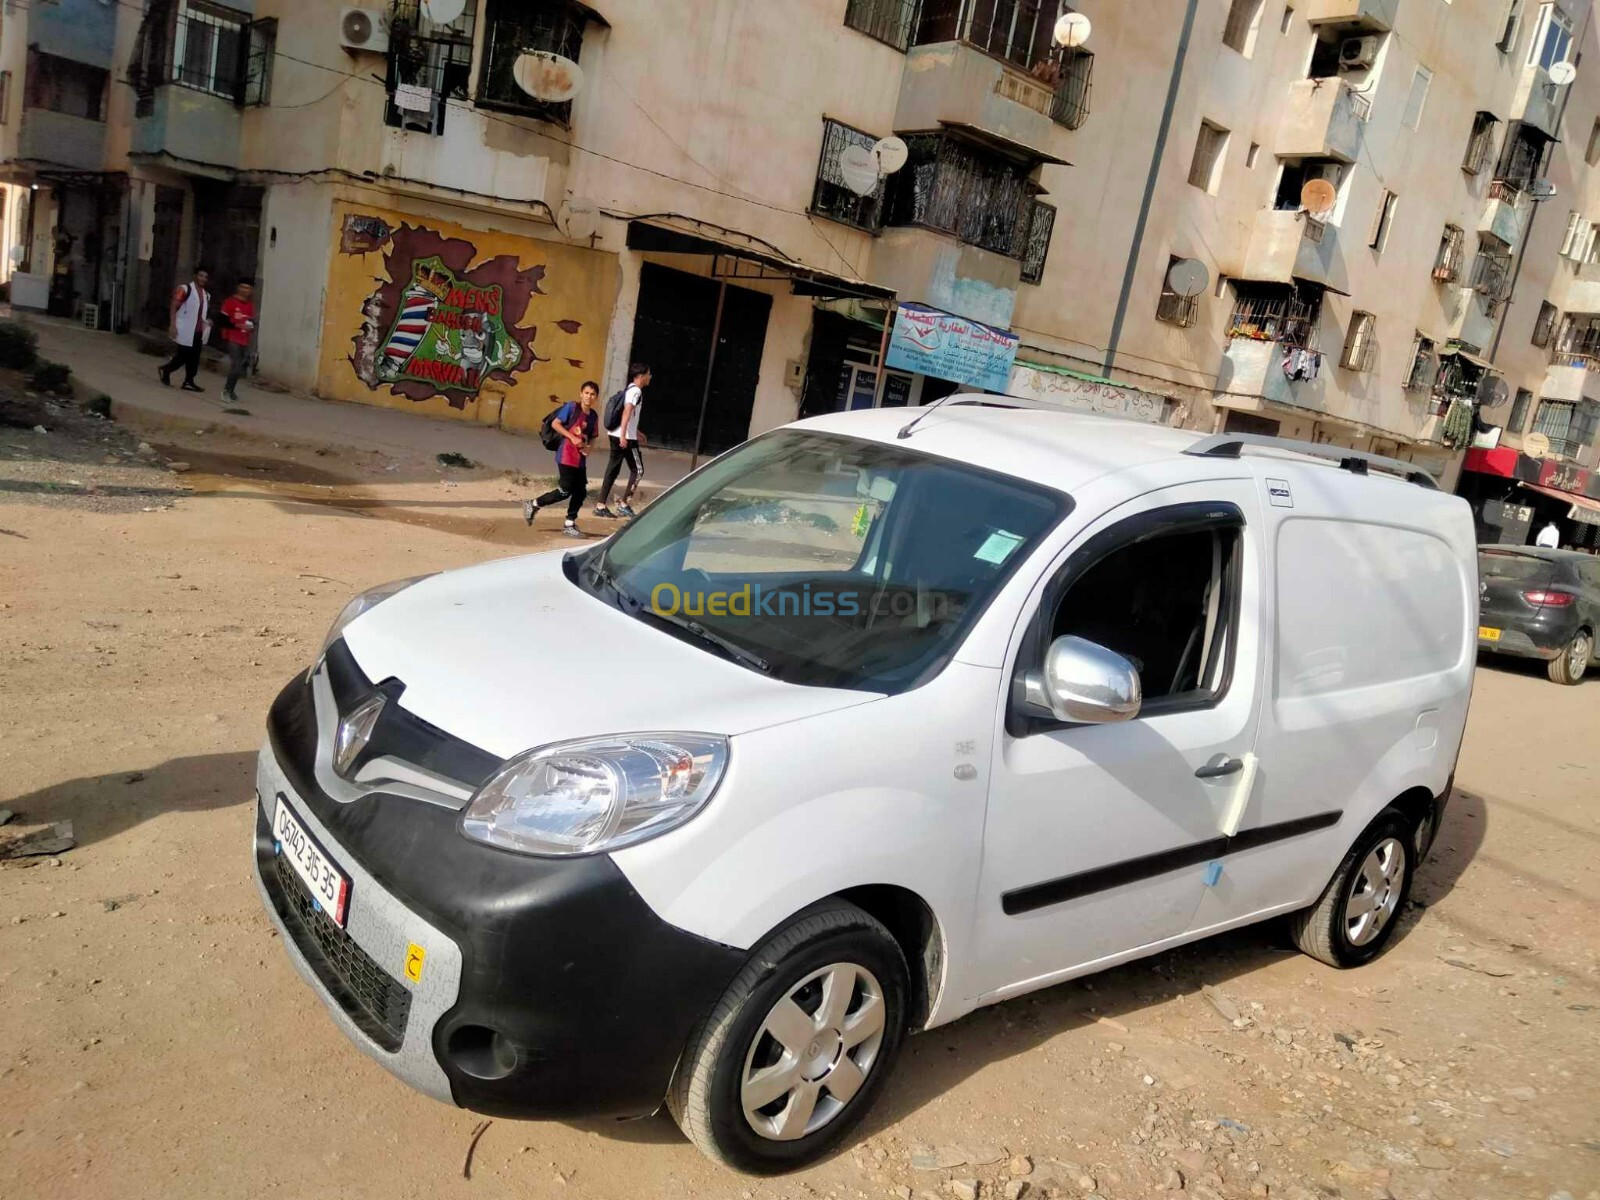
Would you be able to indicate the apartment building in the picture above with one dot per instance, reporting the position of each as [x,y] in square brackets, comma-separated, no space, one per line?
[1122,224]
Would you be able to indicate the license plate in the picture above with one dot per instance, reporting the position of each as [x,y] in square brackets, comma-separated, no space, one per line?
[1487,634]
[329,886]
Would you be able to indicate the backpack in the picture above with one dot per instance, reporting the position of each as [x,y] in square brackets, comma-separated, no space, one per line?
[547,433]
[614,410]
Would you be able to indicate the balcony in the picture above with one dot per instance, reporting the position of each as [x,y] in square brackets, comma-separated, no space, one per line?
[1373,16]
[186,123]
[937,269]
[1583,293]
[62,140]
[1322,118]
[1506,214]
[1253,370]
[952,84]
[1472,321]
[1286,245]
[1566,378]
[1537,101]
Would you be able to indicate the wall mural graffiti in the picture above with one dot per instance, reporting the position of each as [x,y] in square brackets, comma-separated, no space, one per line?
[484,325]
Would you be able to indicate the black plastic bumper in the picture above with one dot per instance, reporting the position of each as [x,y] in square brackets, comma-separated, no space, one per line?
[1544,634]
[576,998]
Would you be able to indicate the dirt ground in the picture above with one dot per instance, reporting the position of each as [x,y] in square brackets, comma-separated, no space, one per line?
[154,1041]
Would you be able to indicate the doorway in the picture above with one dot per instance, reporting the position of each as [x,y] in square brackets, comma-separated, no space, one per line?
[163,264]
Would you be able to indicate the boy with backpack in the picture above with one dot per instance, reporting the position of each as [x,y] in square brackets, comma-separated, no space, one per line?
[568,431]
[622,427]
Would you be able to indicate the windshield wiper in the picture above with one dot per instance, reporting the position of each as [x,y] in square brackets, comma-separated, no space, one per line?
[736,652]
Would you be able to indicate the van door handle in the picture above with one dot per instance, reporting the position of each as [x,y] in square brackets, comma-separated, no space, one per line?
[1219,767]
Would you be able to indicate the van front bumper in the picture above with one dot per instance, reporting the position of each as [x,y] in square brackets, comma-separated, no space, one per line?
[548,987]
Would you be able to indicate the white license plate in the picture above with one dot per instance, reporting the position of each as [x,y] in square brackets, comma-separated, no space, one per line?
[329,886]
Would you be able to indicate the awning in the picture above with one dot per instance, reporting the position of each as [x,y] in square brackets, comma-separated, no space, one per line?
[1482,364]
[1572,498]
[659,234]
[1002,144]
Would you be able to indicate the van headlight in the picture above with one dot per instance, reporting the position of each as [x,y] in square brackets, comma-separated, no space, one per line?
[597,794]
[365,602]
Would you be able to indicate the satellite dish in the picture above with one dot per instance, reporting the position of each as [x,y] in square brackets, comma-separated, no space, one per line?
[1536,444]
[891,154]
[1318,196]
[1542,189]
[546,76]
[858,167]
[1073,30]
[1492,391]
[1563,73]
[443,12]
[1188,277]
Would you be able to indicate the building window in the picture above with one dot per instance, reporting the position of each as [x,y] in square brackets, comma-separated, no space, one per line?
[208,48]
[1209,146]
[1385,221]
[1172,308]
[889,21]
[514,27]
[1359,342]
[1480,147]
[1288,19]
[1555,420]
[965,189]
[1491,271]
[1297,172]
[1447,266]
[429,65]
[1040,225]
[1578,342]
[1252,155]
[1552,36]
[1591,153]
[1240,32]
[1418,98]
[1519,411]
[61,85]
[1424,366]
[5,97]
[261,45]
[1578,243]
[1522,155]
[1019,31]
[1072,76]
[832,197]
[1508,31]
[1545,326]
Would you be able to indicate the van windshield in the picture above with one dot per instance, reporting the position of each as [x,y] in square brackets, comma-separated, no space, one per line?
[825,560]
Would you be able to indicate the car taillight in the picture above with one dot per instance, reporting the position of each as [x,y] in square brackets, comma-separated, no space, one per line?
[1552,599]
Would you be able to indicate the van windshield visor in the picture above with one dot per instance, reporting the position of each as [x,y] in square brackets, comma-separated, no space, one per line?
[824,560]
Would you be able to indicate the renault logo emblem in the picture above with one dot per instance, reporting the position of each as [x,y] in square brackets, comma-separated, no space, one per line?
[355,729]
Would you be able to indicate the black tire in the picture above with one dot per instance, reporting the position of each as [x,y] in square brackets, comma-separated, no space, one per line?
[1323,930]
[1568,667]
[706,1094]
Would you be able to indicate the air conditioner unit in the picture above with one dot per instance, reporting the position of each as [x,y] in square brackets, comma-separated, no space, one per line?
[1359,53]
[362,31]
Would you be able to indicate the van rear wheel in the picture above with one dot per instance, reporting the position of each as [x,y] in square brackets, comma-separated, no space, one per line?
[1569,666]
[1354,918]
[799,1046]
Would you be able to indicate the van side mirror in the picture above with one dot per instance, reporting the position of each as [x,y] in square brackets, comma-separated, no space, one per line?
[1085,683]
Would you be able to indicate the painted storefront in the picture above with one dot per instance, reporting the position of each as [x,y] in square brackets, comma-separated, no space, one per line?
[436,318]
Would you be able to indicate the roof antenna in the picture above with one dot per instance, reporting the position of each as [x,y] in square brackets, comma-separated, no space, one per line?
[905,432]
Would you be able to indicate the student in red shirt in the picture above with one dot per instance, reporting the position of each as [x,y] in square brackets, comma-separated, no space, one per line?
[578,423]
[239,324]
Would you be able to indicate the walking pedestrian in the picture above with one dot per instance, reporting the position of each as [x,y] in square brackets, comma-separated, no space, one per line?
[1549,537]
[626,444]
[239,324]
[578,424]
[189,321]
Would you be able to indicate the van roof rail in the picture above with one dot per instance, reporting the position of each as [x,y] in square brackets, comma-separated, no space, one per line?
[1357,462]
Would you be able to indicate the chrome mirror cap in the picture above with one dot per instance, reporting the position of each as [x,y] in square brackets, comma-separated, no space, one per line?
[1084,683]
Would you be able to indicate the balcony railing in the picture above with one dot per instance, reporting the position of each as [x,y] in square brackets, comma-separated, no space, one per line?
[890,21]
[955,187]
[1314,230]
[1505,189]
[1292,322]
[213,49]
[1491,276]
[1019,31]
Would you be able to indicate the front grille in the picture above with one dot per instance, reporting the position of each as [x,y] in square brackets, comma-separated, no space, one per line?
[377,1002]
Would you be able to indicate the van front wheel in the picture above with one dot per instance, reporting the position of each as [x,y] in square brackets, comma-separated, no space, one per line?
[798,1047]
[1354,918]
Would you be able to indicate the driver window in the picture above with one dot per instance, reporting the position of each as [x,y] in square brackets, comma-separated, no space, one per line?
[1166,604]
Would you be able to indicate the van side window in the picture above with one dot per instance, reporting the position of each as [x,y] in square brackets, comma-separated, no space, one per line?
[1166,603]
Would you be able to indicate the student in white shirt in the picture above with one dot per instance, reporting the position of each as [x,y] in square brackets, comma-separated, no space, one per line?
[1549,536]
[626,445]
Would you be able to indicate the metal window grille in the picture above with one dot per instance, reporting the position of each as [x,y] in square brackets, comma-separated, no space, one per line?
[955,187]
[429,65]
[1555,420]
[1359,342]
[205,46]
[831,197]
[1424,366]
[1545,326]
[1519,411]
[514,28]
[889,21]
[1040,225]
[1019,31]
[1480,146]
[1074,87]
[1578,343]
[1452,245]
[1491,272]
[1522,157]
[1276,314]
[1182,311]
[1314,230]
[261,44]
